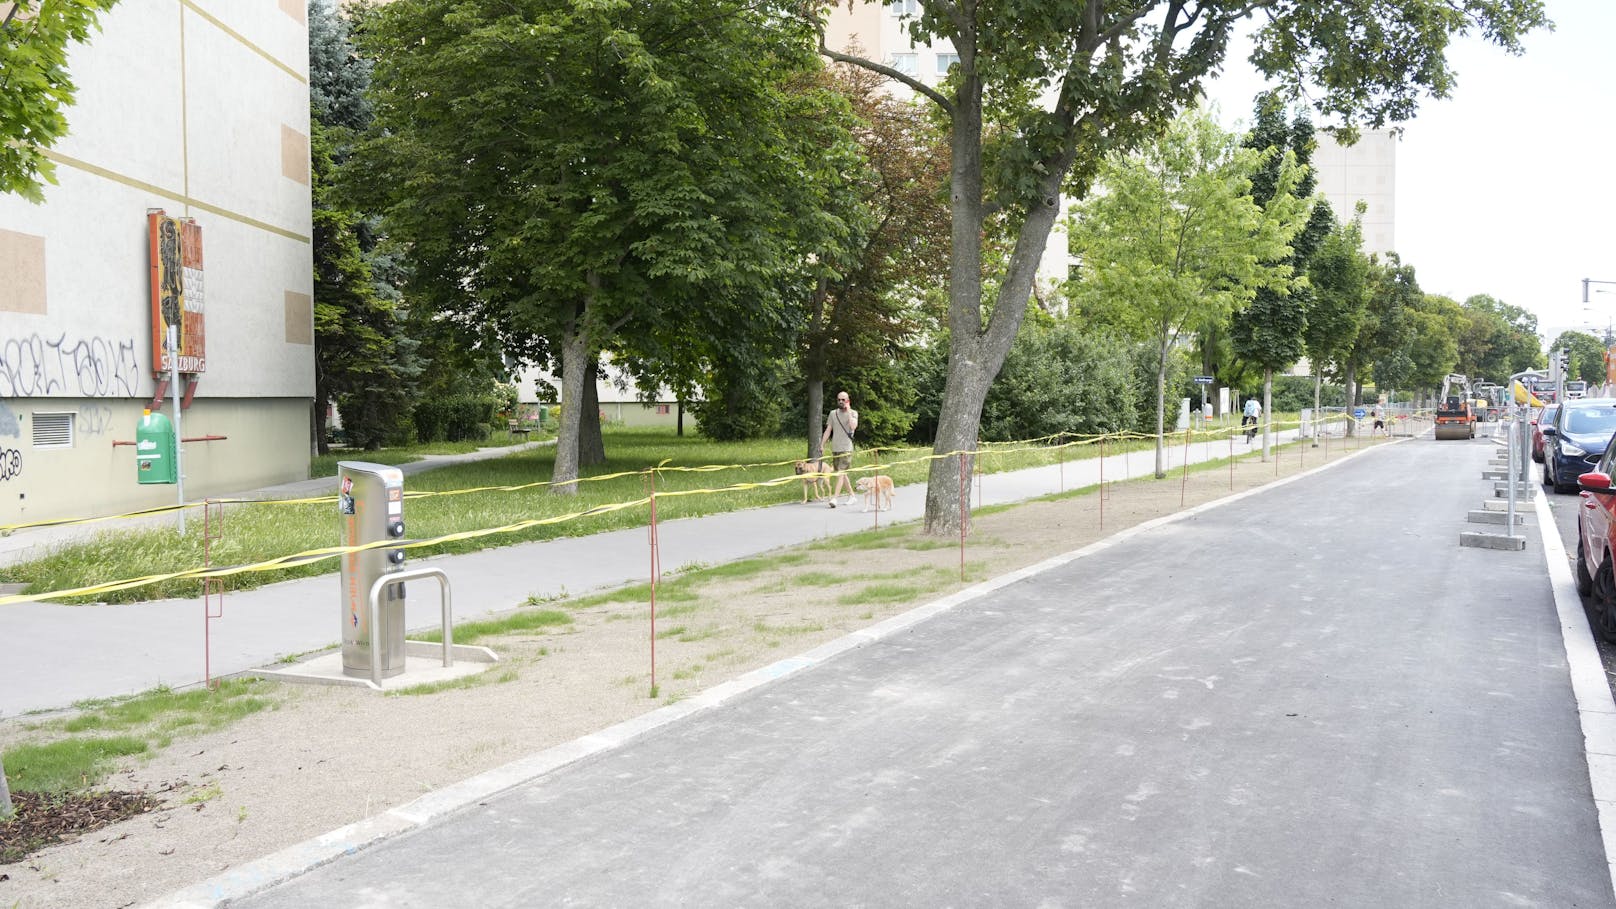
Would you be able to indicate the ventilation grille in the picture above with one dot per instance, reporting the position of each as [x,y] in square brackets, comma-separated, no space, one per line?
[53,430]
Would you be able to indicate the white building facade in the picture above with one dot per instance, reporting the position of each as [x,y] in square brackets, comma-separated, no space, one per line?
[197,109]
[880,33]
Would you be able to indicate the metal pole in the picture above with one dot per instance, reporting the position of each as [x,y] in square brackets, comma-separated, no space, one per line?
[179,458]
[6,811]
[1513,481]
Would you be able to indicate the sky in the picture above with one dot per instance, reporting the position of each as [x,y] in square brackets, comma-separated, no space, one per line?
[1508,186]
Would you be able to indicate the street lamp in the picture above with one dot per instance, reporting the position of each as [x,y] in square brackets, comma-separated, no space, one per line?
[1588,281]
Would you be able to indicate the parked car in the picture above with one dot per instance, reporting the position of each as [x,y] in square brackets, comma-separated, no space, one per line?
[1596,577]
[1574,443]
[1545,417]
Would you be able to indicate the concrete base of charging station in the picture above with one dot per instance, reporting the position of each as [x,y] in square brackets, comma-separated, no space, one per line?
[1479,540]
[423,665]
[1495,516]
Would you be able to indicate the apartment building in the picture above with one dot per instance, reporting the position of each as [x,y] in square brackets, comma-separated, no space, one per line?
[183,200]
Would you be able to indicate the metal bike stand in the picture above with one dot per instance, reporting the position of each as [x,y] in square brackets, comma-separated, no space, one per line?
[398,577]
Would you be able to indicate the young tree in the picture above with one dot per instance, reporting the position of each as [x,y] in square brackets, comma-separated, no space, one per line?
[35,88]
[1385,330]
[1338,274]
[1176,239]
[1269,332]
[581,172]
[1044,90]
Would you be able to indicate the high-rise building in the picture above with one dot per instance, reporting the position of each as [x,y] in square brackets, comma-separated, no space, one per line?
[1365,171]
[182,200]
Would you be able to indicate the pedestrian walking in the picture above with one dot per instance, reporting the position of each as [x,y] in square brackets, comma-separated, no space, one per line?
[839,430]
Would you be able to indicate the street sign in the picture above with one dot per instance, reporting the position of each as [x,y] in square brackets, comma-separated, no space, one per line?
[1359,413]
[1203,380]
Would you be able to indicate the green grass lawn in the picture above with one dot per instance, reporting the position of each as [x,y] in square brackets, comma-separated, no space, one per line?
[260,531]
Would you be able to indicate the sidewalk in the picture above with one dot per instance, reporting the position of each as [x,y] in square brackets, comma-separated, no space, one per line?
[68,653]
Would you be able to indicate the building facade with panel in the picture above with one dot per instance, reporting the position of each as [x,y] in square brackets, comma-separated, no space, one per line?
[182,198]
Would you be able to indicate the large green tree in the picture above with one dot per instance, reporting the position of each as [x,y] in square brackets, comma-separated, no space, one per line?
[1435,348]
[1497,339]
[581,172]
[1587,356]
[1043,90]
[1338,274]
[35,86]
[360,361]
[1176,239]
[1386,328]
[1269,331]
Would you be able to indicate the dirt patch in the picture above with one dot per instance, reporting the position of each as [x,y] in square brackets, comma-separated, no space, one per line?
[326,757]
[45,820]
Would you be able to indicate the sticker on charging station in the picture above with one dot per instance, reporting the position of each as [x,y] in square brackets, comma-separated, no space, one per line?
[395,500]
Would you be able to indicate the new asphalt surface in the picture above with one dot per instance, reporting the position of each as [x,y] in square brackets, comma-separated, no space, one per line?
[1309,695]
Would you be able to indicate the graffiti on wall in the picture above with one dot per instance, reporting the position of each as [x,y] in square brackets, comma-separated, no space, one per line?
[10,464]
[94,420]
[92,367]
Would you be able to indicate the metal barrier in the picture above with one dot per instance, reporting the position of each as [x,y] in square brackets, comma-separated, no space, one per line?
[399,577]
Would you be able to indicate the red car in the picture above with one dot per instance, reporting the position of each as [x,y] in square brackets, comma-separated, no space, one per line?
[1596,519]
[1545,417]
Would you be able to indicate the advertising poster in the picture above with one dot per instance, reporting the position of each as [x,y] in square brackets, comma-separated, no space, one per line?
[178,296]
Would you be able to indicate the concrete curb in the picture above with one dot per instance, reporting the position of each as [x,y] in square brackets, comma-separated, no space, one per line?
[1595,706]
[256,876]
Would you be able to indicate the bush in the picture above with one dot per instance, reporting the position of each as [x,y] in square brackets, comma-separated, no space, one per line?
[456,419]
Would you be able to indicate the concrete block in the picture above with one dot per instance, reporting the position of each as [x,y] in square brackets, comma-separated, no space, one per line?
[1495,517]
[1498,504]
[1478,540]
[1495,474]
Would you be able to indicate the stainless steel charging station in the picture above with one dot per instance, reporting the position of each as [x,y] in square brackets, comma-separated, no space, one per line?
[370,502]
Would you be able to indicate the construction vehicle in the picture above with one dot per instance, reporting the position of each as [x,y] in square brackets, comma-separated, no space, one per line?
[1455,409]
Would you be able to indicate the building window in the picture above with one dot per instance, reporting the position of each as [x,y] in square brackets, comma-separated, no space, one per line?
[663,410]
[53,430]
[944,61]
[905,7]
[908,64]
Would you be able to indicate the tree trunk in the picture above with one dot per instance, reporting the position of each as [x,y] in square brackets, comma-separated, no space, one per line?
[1161,408]
[591,447]
[1267,409]
[1352,393]
[813,369]
[679,408]
[966,388]
[975,353]
[574,369]
[317,421]
[1318,395]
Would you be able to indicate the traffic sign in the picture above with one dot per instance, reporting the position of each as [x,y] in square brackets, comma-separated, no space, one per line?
[1359,413]
[1203,380]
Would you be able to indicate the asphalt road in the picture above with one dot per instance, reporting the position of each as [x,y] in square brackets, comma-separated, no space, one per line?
[1302,697]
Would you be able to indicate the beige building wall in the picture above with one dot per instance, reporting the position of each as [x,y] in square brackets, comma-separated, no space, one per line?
[1367,172]
[199,108]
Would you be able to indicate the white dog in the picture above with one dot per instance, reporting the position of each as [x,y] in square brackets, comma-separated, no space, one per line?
[877,491]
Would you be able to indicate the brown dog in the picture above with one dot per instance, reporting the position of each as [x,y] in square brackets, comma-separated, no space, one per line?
[815,477]
[877,491]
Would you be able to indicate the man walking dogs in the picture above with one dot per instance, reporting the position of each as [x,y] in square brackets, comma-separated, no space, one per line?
[838,435]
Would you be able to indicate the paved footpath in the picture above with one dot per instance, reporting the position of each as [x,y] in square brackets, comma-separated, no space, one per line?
[1310,695]
[57,655]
